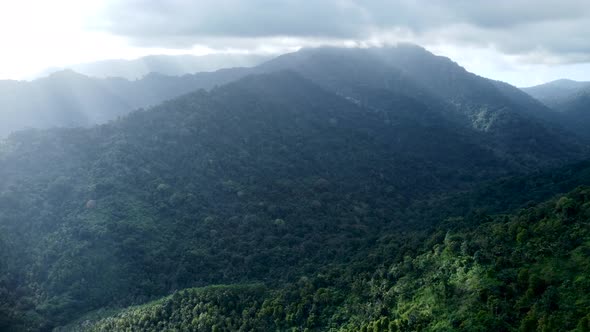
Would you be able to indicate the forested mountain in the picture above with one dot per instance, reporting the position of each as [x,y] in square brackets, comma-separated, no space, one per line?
[554,93]
[242,183]
[326,189]
[171,65]
[505,116]
[370,77]
[570,101]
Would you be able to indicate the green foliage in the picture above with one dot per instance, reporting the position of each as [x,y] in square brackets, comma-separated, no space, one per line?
[214,308]
[471,279]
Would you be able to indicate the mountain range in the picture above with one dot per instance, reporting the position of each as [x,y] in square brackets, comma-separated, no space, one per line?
[380,189]
[170,65]
[71,99]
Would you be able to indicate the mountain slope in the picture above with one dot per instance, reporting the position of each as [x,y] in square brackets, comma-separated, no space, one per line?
[266,179]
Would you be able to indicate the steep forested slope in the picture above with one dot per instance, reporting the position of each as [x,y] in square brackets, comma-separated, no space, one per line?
[527,271]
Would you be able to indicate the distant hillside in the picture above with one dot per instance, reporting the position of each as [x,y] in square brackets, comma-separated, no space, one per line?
[69,99]
[170,65]
[571,101]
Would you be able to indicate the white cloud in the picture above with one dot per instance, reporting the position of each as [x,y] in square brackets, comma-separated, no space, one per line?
[521,41]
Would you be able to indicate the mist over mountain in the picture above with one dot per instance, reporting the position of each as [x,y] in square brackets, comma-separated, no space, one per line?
[70,99]
[406,70]
[378,189]
[170,65]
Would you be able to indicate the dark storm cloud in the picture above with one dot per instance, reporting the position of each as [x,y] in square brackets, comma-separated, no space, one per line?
[556,28]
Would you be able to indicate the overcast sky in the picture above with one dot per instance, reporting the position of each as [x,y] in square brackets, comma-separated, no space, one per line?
[523,42]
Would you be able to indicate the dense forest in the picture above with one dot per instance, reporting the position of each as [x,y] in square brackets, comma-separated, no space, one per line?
[526,271]
[329,189]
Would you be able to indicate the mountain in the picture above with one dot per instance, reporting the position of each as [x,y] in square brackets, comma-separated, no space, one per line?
[507,118]
[169,65]
[69,99]
[571,102]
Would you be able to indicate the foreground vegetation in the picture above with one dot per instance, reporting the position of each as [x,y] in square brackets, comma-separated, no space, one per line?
[528,271]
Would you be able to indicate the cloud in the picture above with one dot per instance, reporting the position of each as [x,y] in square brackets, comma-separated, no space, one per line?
[535,30]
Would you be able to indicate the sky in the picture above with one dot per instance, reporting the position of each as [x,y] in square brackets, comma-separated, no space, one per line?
[522,42]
